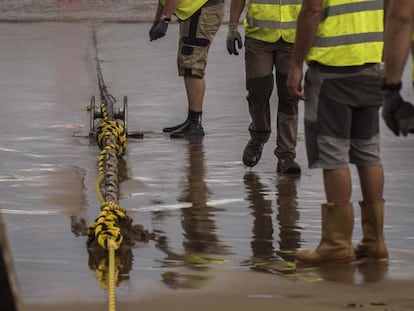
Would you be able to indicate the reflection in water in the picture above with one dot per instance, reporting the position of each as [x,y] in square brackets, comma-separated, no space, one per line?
[200,242]
[336,272]
[262,232]
[372,271]
[199,227]
[354,273]
[288,216]
[98,260]
[262,237]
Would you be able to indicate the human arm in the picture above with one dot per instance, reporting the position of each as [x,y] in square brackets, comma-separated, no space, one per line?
[162,18]
[158,12]
[386,7]
[397,113]
[306,29]
[233,34]
[169,8]
[397,38]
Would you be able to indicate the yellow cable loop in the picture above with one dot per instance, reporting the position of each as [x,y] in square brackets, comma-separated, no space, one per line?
[111,128]
[106,225]
[98,188]
[104,112]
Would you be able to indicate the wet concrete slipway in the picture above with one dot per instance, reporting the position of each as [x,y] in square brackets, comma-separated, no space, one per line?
[212,218]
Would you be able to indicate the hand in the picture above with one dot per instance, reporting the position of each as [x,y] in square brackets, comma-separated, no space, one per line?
[294,82]
[151,31]
[405,118]
[158,30]
[398,114]
[233,36]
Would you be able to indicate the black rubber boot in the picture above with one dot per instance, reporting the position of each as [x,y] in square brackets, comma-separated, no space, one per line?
[176,127]
[288,166]
[192,128]
[252,152]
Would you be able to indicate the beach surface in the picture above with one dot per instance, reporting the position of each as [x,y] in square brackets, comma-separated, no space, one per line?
[225,235]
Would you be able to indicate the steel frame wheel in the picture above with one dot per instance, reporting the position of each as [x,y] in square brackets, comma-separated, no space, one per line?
[92,115]
[126,113]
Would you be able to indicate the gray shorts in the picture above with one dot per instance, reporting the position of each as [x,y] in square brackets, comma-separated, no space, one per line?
[341,115]
[196,36]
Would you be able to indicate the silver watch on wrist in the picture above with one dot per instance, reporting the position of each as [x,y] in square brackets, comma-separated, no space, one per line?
[165,19]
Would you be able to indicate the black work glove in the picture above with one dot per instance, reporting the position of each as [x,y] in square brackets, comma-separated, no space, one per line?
[158,30]
[233,36]
[398,114]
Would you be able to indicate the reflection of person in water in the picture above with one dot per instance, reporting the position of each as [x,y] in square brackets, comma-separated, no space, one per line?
[262,239]
[262,242]
[197,222]
[200,243]
[288,216]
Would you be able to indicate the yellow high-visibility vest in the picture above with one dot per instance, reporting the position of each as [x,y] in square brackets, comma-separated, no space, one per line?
[350,33]
[186,8]
[270,20]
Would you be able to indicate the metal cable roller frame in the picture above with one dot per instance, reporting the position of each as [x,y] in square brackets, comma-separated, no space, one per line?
[106,97]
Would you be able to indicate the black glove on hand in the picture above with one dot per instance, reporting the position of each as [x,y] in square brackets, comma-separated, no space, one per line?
[151,31]
[405,118]
[233,36]
[398,114]
[158,30]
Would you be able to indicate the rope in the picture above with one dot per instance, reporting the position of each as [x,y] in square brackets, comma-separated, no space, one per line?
[112,275]
[106,225]
[111,139]
[106,129]
[104,275]
[106,228]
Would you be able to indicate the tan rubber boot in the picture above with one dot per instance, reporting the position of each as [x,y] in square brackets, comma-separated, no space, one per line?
[372,245]
[335,244]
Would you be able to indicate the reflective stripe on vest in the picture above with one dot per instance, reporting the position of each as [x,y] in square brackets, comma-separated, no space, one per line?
[186,8]
[270,20]
[350,33]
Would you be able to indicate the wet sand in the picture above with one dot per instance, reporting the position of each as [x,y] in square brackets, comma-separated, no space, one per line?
[246,291]
[198,199]
[226,286]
